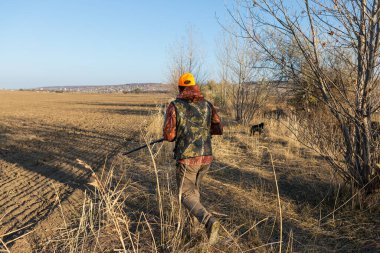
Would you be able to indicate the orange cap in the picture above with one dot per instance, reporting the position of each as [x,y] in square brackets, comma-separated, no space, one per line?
[186,79]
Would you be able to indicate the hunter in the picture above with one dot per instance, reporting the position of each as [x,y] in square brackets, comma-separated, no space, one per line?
[190,121]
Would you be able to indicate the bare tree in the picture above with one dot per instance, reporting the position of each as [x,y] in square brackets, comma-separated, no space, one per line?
[224,58]
[237,65]
[333,39]
[252,98]
[186,56]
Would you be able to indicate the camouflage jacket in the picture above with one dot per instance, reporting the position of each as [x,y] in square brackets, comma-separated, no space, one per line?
[190,121]
[193,121]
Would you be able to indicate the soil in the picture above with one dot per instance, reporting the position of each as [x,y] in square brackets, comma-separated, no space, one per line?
[41,136]
[42,186]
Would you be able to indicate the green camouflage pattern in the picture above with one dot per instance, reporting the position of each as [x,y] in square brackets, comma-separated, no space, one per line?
[193,137]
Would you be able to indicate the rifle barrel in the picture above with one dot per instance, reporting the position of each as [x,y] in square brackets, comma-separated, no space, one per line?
[144,146]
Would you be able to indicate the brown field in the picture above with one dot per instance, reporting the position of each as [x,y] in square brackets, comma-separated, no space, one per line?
[47,205]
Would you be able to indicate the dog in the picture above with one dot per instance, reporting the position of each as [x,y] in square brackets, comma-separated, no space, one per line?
[257,128]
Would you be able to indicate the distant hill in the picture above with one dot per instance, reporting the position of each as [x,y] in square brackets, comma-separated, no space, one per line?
[130,87]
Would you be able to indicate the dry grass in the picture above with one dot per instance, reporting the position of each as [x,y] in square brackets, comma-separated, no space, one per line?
[270,193]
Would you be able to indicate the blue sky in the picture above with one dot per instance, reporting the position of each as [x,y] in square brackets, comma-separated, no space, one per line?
[98,42]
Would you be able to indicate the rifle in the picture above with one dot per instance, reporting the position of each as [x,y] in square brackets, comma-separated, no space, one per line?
[144,146]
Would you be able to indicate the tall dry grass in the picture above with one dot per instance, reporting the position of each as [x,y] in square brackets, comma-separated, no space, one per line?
[102,221]
[106,223]
[134,205]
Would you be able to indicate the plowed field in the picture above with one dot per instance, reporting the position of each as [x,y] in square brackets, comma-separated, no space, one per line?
[42,135]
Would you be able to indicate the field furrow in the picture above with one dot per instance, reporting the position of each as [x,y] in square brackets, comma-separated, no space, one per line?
[41,138]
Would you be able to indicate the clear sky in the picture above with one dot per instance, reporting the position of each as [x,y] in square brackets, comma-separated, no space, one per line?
[99,42]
